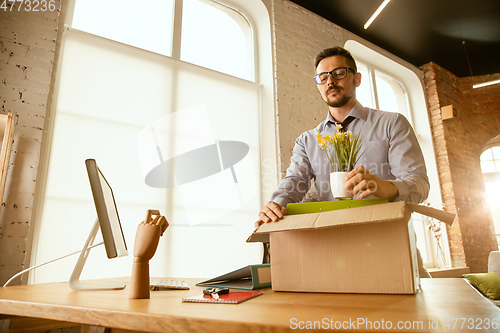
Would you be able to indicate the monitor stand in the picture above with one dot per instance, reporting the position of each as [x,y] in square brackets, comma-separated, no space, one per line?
[74,280]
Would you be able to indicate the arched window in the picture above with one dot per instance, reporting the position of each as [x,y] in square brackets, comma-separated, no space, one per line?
[490,166]
[490,160]
[140,86]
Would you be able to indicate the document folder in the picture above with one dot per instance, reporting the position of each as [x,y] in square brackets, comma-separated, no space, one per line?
[249,277]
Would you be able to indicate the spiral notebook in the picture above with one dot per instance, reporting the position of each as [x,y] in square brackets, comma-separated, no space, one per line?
[234,297]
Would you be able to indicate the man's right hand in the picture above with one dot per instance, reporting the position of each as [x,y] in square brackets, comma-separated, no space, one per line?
[271,212]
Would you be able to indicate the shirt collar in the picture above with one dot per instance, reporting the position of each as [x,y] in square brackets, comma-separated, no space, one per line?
[358,111]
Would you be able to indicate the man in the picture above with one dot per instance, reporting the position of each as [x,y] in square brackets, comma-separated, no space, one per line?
[392,167]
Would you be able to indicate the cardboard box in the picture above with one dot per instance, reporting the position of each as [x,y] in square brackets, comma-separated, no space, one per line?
[369,249]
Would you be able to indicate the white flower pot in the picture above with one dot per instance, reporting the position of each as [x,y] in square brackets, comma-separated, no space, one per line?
[337,182]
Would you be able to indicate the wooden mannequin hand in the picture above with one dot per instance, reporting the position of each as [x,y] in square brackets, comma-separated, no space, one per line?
[146,241]
[147,238]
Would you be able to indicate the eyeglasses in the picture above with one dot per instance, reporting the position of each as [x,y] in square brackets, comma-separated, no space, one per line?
[337,74]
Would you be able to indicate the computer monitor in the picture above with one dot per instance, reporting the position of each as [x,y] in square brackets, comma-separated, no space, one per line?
[107,213]
[109,223]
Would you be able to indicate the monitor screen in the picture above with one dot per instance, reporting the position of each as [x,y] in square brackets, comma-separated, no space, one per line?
[107,214]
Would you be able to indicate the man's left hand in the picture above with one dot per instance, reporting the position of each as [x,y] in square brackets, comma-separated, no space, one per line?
[363,183]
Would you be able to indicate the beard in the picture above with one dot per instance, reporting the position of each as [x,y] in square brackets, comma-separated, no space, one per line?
[344,99]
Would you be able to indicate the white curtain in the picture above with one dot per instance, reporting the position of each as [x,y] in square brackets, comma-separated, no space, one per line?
[140,115]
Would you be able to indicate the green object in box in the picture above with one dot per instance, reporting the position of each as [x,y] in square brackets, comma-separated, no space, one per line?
[325,206]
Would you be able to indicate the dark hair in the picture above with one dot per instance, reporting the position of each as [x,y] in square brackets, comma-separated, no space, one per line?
[335,51]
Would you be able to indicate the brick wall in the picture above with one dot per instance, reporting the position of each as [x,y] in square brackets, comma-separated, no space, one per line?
[459,143]
[27,48]
[298,35]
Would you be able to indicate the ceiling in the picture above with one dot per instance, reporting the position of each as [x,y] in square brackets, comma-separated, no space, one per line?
[421,31]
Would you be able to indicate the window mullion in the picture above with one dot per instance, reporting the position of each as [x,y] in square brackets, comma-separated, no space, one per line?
[177,29]
[374,87]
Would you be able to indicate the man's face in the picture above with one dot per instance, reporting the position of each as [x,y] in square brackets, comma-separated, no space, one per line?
[337,93]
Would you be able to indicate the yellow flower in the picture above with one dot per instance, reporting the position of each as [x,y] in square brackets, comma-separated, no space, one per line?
[342,149]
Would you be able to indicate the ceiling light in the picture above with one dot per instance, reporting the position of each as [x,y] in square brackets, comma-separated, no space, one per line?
[374,16]
[488,83]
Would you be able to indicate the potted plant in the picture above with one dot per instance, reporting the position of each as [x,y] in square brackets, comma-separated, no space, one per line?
[343,151]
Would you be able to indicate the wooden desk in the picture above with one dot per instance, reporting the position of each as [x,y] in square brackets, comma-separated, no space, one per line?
[438,299]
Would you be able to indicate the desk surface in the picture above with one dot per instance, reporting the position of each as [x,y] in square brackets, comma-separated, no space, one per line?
[438,300]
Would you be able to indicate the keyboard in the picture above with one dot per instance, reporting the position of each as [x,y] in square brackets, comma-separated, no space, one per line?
[169,284]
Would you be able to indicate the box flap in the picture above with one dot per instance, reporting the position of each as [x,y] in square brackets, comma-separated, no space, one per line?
[441,215]
[260,238]
[290,222]
[367,214]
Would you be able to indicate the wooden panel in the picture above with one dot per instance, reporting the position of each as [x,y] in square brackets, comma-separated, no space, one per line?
[7,126]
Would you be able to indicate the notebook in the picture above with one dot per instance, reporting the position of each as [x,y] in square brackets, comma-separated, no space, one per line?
[234,297]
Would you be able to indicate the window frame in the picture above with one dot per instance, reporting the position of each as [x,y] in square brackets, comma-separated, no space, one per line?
[496,162]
